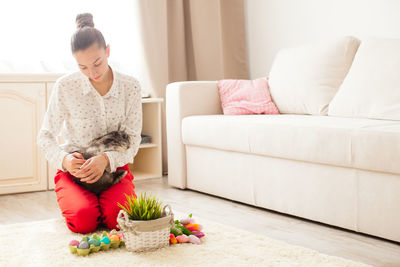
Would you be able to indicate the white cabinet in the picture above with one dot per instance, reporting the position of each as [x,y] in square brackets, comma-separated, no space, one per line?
[22,165]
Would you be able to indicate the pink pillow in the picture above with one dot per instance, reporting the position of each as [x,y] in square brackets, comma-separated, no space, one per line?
[240,97]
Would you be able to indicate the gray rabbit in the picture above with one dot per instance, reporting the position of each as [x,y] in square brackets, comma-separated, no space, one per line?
[113,141]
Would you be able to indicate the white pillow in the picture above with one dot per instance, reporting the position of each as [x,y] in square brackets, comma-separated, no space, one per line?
[372,87]
[304,80]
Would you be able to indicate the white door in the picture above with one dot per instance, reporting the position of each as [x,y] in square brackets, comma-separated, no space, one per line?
[22,164]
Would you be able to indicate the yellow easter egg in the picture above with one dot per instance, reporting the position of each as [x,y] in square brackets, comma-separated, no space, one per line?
[114,238]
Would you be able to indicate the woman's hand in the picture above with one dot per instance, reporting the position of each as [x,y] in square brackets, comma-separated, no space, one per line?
[72,162]
[93,168]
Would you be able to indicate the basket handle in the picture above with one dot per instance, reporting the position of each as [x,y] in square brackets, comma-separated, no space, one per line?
[122,218]
[170,213]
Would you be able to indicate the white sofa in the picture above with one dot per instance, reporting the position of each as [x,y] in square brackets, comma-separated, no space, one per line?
[333,166]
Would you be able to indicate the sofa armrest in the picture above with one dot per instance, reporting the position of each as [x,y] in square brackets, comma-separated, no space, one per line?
[186,99]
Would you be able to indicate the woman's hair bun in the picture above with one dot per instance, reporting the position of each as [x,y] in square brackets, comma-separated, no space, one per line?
[84,19]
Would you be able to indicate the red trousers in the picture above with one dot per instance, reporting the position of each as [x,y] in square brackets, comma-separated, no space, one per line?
[83,210]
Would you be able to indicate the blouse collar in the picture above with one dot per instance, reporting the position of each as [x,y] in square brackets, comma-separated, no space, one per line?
[90,88]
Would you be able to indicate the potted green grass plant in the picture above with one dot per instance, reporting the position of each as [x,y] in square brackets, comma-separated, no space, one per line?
[145,222]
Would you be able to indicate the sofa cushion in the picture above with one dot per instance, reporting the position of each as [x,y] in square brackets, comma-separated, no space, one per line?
[241,97]
[372,87]
[359,143]
[304,80]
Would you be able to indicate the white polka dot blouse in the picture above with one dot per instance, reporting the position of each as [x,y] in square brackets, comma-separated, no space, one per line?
[80,114]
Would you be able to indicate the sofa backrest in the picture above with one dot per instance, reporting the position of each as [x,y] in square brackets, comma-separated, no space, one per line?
[371,89]
[304,80]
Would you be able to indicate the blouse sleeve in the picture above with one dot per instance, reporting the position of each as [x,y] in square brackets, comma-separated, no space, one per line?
[132,126]
[51,128]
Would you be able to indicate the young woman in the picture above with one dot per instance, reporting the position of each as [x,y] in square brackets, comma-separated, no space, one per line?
[85,105]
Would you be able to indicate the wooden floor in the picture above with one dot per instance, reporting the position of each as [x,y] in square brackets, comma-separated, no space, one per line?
[27,207]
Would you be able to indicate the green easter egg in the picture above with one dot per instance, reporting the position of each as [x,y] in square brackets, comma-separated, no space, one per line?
[94,242]
[104,234]
[95,236]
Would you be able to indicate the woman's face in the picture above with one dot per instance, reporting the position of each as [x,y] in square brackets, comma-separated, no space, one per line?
[93,62]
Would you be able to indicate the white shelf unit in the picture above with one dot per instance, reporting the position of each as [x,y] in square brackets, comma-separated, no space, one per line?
[148,161]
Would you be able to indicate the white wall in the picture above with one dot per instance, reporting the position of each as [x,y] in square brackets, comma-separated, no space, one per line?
[274,24]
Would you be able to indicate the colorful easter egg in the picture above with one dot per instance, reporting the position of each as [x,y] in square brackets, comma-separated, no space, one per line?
[192,226]
[172,239]
[95,236]
[74,243]
[198,233]
[114,238]
[94,242]
[105,240]
[194,239]
[182,238]
[83,245]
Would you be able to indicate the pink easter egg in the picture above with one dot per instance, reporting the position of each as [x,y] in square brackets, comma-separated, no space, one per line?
[182,238]
[74,243]
[198,233]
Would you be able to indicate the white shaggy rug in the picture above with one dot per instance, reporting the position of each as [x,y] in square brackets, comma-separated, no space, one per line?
[45,243]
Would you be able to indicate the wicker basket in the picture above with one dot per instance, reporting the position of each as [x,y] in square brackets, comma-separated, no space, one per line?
[146,235]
